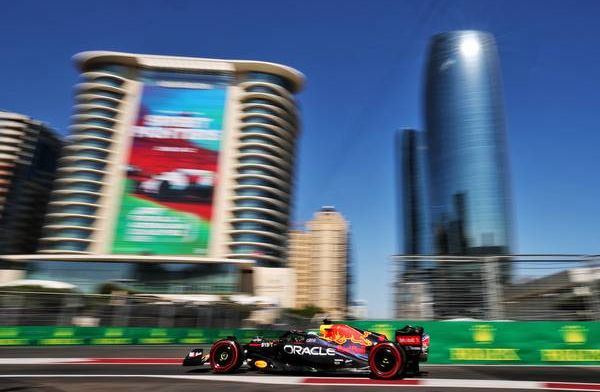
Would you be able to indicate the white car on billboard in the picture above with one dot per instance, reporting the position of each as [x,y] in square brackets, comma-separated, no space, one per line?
[180,183]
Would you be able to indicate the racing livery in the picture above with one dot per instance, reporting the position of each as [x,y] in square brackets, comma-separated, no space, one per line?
[335,347]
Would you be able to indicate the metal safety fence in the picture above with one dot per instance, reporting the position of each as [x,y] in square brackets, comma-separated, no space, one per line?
[45,308]
[501,287]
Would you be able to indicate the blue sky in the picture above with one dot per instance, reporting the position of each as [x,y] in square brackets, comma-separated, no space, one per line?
[364,63]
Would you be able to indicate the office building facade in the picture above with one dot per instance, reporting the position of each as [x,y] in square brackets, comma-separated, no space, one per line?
[28,156]
[175,156]
[467,187]
[319,257]
[466,147]
[411,172]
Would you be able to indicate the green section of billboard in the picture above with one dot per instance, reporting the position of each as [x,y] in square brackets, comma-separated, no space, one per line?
[514,343]
[134,210]
[535,342]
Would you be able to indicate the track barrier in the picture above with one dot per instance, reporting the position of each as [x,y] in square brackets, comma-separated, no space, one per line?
[452,342]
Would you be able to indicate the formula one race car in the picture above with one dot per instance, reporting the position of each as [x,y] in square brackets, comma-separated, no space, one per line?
[337,346]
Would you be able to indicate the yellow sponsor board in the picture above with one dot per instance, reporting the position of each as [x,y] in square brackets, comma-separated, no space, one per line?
[113,332]
[157,341]
[193,340]
[156,332]
[194,337]
[483,334]
[63,332]
[14,342]
[60,341]
[574,334]
[112,341]
[8,332]
[484,354]
[570,355]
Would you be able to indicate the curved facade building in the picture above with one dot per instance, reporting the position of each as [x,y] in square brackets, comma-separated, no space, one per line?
[177,156]
[470,205]
[28,154]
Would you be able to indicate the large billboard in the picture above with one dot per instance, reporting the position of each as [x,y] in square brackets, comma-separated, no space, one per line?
[172,172]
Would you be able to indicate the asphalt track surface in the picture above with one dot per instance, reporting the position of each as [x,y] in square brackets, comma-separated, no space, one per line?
[40,369]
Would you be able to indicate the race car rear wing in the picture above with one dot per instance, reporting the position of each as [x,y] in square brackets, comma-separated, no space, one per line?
[414,341]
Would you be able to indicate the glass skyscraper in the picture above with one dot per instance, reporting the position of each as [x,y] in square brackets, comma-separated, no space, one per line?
[413,202]
[466,147]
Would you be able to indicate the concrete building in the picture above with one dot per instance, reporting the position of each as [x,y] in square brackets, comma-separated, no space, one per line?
[319,257]
[177,156]
[177,175]
[572,294]
[28,155]
[300,260]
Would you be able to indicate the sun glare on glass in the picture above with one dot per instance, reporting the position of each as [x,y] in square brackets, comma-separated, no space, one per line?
[470,47]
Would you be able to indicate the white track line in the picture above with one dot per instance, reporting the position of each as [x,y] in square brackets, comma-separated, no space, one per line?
[40,361]
[90,361]
[83,361]
[501,384]
[340,381]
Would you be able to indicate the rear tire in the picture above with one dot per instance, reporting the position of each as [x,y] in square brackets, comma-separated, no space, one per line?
[225,356]
[386,361]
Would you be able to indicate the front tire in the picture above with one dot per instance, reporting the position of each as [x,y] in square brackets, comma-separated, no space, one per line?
[386,361]
[225,356]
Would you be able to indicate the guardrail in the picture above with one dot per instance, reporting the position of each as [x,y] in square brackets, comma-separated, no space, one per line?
[43,308]
[452,342]
[69,336]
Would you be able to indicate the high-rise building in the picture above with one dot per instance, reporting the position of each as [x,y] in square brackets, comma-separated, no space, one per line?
[28,154]
[413,199]
[300,260]
[467,181]
[466,147]
[177,156]
[409,288]
[319,257]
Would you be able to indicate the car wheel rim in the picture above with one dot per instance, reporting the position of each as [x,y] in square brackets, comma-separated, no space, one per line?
[223,356]
[385,360]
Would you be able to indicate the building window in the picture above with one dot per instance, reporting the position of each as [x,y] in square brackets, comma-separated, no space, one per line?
[70,245]
[269,78]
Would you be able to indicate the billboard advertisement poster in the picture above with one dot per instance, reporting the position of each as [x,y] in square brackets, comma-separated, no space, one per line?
[172,170]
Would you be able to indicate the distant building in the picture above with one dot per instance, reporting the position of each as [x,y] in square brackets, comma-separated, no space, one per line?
[300,253]
[465,129]
[468,168]
[277,284]
[467,189]
[319,256]
[29,152]
[358,310]
[413,200]
[566,295]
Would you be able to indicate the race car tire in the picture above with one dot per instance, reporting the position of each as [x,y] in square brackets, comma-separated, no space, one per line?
[225,356]
[386,361]
[164,191]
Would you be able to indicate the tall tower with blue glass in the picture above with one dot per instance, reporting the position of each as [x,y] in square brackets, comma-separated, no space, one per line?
[465,132]
[410,169]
